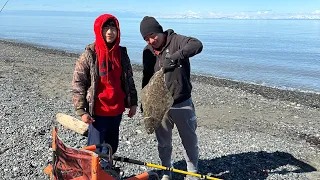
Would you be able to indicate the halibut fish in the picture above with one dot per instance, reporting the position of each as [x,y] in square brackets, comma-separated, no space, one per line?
[156,101]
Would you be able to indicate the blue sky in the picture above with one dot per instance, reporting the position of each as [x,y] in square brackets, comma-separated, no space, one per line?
[176,7]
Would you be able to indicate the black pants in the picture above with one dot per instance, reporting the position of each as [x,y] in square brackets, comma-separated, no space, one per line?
[105,129]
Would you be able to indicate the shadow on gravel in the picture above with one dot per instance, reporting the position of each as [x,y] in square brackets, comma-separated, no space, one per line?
[250,165]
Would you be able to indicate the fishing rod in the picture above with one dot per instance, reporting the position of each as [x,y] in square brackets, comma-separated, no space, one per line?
[133,161]
[4,6]
[123,159]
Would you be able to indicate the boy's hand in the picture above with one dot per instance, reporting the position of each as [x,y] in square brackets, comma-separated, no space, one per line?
[132,111]
[87,118]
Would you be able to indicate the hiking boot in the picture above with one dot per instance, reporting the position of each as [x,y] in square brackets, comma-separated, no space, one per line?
[191,178]
[166,177]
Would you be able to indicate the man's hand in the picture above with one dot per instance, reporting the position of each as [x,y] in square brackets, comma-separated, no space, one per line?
[132,111]
[87,118]
[169,64]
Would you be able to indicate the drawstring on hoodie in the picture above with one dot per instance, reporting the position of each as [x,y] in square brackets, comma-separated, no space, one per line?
[107,65]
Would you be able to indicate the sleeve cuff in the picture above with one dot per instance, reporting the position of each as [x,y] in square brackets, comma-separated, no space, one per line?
[80,112]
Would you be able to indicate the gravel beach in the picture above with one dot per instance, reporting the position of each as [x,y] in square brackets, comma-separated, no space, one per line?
[245,131]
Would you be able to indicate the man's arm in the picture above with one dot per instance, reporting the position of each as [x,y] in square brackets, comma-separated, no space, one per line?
[189,47]
[149,60]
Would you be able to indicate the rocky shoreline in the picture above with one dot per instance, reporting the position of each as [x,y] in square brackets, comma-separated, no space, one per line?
[245,131]
[306,98]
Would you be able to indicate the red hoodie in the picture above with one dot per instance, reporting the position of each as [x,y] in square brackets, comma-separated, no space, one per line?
[110,96]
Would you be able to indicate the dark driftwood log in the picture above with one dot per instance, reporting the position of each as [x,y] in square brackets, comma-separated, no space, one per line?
[72,123]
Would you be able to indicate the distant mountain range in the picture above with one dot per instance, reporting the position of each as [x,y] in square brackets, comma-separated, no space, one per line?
[119,14]
[182,15]
[243,15]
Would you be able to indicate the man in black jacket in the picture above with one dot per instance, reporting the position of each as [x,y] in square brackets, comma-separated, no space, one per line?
[172,51]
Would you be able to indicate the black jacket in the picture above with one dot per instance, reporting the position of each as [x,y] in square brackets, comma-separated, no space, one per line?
[181,48]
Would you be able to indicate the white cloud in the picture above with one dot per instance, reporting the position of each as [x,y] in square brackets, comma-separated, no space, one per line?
[263,12]
[187,14]
[316,12]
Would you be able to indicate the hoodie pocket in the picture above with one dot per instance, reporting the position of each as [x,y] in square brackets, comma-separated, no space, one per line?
[175,87]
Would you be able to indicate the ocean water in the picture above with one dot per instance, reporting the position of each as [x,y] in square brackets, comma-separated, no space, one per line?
[277,53]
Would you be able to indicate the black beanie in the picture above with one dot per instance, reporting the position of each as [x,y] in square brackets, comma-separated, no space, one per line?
[149,25]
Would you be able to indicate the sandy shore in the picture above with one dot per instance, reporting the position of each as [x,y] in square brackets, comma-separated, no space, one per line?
[245,131]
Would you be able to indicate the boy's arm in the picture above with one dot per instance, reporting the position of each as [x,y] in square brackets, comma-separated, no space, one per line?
[80,83]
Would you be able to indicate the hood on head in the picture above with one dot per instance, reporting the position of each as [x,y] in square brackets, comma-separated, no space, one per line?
[98,24]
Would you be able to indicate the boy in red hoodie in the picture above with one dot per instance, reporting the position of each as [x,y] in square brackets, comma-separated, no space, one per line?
[103,84]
